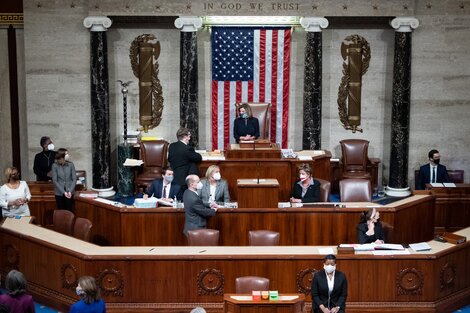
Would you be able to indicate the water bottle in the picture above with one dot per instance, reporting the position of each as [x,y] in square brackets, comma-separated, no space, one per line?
[175,203]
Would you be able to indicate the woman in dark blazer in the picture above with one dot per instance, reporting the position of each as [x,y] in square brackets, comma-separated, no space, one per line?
[329,288]
[369,228]
[214,188]
[245,126]
[306,189]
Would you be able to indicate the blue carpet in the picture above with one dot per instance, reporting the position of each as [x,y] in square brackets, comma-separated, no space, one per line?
[465,309]
[43,309]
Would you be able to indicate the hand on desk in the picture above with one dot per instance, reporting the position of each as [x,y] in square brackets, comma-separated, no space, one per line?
[247,137]
[214,206]
[294,200]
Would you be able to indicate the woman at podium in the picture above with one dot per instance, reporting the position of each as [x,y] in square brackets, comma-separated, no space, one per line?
[245,126]
[214,188]
[306,189]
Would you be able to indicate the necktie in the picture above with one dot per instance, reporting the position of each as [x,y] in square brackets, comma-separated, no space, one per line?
[164,192]
[433,179]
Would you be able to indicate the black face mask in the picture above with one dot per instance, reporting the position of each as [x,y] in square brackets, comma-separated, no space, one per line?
[437,161]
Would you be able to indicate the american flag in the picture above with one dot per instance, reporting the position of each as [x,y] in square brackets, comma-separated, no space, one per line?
[249,65]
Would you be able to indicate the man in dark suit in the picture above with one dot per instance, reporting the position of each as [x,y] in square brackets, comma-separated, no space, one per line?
[196,213]
[329,288]
[43,160]
[164,188]
[432,172]
[182,157]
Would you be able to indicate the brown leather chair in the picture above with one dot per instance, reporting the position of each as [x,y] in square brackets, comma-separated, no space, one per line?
[247,284]
[154,153]
[325,190]
[355,190]
[82,229]
[262,111]
[387,231]
[355,158]
[62,222]
[203,237]
[263,238]
[456,176]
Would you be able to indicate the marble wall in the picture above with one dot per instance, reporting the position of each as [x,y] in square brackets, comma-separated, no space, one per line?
[5,117]
[58,96]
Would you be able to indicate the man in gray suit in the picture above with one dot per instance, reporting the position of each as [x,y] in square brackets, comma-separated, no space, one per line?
[196,213]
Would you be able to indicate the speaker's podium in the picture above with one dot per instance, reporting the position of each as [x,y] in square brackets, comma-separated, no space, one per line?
[254,149]
[258,193]
[287,303]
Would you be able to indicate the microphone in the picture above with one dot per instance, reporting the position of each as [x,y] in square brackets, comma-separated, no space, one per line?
[257,170]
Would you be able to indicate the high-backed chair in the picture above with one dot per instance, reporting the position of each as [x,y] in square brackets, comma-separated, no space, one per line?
[62,222]
[355,158]
[262,111]
[456,176]
[325,190]
[355,190]
[387,231]
[203,237]
[154,153]
[247,284]
[263,238]
[82,229]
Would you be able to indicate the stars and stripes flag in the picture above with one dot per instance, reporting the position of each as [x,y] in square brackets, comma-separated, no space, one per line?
[249,65]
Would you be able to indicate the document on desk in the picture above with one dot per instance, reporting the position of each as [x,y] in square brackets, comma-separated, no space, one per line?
[304,157]
[242,298]
[449,185]
[422,246]
[325,251]
[391,252]
[437,185]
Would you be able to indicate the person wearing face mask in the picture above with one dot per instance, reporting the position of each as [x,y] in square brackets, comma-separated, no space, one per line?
[182,157]
[306,189]
[43,160]
[214,188]
[14,194]
[245,126]
[369,229]
[433,172]
[329,288]
[164,188]
[90,298]
[196,213]
[64,178]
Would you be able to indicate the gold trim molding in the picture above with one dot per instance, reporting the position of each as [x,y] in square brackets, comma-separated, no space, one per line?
[11,18]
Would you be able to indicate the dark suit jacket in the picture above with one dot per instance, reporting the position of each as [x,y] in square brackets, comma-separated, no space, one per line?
[183,160]
[43,164]
[320,291]
[424,176]
[196,213]
[363,238]
[156,187]
[312,194]
[243,127]
[221,192]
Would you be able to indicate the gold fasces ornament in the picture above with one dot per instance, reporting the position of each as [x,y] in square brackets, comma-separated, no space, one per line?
[355,51]
[143,53]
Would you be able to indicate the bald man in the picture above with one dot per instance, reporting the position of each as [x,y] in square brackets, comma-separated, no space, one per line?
[196,213]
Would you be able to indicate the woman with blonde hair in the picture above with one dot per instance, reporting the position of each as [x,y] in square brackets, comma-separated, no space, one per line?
[214,188]
[89,293]
[306,189]
[14,195]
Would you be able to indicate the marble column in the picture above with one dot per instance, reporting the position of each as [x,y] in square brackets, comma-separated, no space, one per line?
[398,179]
[189,105]
[311,138]
[101,149]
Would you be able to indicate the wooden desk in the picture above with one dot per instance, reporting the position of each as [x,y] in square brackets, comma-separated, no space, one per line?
[258,193]
[452,206]
[412,220]
[284,170]
[233,305]
[176,279]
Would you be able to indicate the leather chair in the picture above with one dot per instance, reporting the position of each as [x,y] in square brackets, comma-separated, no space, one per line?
[456,176]
[387,230]
[355,190]
[247,284]
[325,190]
[62,222]
[154,153]
[82,229]
[355,158]
[262,111]
[263,238]
[203,237]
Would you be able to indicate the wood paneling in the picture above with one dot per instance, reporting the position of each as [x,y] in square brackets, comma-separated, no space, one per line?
[412,221]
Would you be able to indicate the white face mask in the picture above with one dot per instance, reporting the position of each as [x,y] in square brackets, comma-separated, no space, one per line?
[217,176]
[67,157]
[199,185]
[50,147]
[302,177]
[79,291]
[329,268]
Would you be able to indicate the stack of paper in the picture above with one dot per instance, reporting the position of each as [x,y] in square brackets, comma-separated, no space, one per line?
[133,162]
[422,246]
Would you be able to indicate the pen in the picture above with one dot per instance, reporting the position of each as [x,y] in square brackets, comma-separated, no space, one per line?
[151,249]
